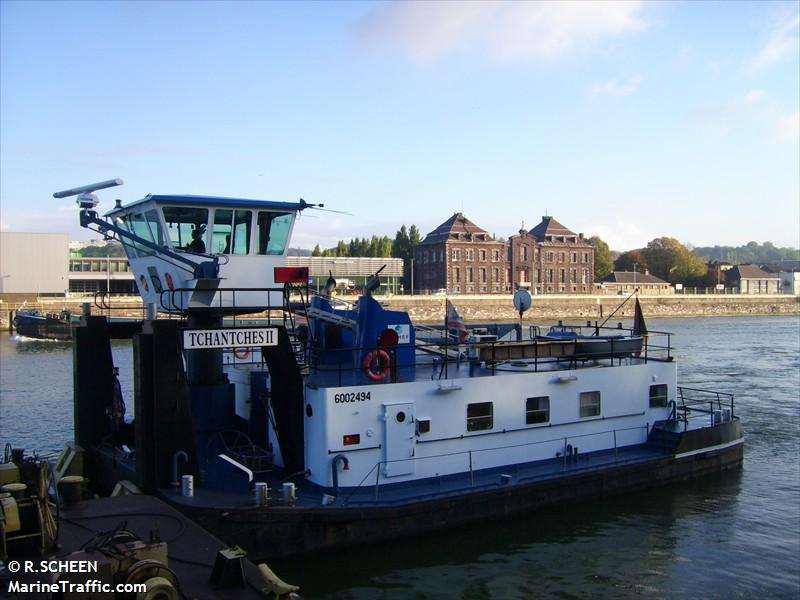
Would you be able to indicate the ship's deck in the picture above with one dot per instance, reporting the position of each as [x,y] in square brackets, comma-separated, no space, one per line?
[393,494]
[191,550]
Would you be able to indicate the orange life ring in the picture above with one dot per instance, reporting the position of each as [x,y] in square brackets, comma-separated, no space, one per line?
[241,353]
[382,363]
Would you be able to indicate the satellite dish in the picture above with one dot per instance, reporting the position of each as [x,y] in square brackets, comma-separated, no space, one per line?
[522,301]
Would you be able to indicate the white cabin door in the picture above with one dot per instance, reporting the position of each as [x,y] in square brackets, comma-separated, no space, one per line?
[399,439]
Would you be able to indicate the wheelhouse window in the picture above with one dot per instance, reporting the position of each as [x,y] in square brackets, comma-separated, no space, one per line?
[272,232]
[480,416]
[138,226]
[590,404]
[155,226]
[181,221]
[537,410]
[658,395]
[231,234]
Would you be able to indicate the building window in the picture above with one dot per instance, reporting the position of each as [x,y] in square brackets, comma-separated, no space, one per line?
[537,410]
[658,395]
[483,275]
[549,276]
[482,254]
[574,257]
[496,256]
[585,257]
[563,276]
[549,257]
[590,404]
[574,275]
[468,254]
[456,275]
[496,273]
[561,257]
[480,416]
[456,254]
[469,275]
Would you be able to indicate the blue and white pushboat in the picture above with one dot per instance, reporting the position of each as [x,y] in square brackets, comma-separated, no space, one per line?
[326,425]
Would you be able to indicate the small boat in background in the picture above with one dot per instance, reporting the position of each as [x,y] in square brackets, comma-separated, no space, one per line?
[55,326]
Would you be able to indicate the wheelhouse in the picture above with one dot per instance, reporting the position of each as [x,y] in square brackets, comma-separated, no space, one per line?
[172,234]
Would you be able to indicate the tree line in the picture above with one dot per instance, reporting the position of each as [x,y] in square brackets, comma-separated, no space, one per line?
[402,246]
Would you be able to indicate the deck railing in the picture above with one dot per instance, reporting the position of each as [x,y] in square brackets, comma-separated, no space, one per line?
[567,458]
[704,402]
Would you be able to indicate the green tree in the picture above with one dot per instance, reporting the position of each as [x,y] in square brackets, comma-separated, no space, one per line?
[631,259]
[401,247]
[386,247]
[316,251]
[341,248]
[414,237]
[110,249]
[670,260]
[602,258]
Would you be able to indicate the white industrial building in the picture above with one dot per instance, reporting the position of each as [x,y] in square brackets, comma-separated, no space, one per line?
[34,263]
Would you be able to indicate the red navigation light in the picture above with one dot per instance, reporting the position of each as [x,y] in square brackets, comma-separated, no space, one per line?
[291,275]
[353,438]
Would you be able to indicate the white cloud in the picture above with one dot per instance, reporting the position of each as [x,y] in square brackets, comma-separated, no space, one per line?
[753,97]
[502,30]
[787,129]
[620,235]
[783,43]
[613,87]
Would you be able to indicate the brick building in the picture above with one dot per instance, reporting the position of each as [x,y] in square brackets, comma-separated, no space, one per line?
[551,259]
[460,257]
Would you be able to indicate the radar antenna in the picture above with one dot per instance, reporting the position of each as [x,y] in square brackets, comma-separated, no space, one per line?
[86,200]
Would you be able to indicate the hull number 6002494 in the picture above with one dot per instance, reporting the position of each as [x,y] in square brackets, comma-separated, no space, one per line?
[351,397]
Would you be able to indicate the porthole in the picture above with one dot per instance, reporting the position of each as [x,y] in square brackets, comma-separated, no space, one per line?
[401,416]
[309,410]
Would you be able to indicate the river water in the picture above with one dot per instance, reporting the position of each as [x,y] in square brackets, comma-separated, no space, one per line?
[733,535]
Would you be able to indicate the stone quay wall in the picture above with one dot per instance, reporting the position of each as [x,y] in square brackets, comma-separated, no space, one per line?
[500,308]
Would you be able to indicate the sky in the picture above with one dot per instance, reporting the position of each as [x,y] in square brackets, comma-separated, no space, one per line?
[627,120]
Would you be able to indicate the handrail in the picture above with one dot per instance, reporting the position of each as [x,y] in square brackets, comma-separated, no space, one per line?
[690,403]
[563,454]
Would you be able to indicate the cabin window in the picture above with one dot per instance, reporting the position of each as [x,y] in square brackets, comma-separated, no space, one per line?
[273,232]
[537,410]
[480,416]
[154,223]
[242,222]
[138,226]
[181,221]
[658,395]
[231,233]
[590,404]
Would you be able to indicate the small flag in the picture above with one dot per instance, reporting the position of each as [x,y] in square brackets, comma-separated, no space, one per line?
[454,323]
[639,326]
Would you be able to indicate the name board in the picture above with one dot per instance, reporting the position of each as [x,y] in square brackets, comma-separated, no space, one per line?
[197,339]
[403,333]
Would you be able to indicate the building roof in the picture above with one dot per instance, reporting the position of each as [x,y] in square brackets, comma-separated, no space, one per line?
[550,227]
[457,227]
[211,201]
[629,277]
[782,266]
[749,272]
